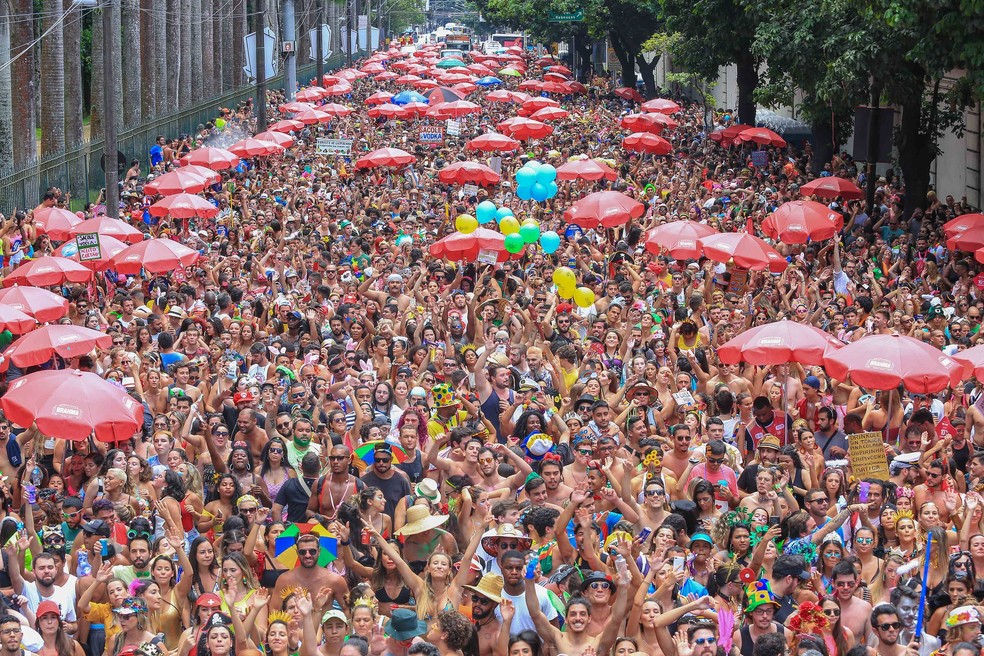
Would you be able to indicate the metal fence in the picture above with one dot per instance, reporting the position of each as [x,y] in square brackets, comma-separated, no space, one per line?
[79,171]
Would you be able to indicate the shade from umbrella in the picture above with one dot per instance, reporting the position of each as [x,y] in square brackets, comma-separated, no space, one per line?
[56,222]
[493,142]
[47,271]
[748,251]
[679,239]
[255,148]
[761,136]
[661,106]
[184,206]
[647,142]
[779,342]
[468,172]
[882,362]
[605,209]
[832,187]
[16,321]
[385,157]
[525,128]
[66,340]
[72,404]
[585,169]
[218,159]
[799,221]
[108,247]
[36,302]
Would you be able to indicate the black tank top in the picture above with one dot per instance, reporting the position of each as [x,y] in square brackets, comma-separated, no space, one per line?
[747,644]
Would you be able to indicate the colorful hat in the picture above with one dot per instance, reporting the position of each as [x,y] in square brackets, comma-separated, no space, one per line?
[491,539]
[963,615]
[537,444]
[131,606]
[444,396]
[419,520]
[615,537]
[759,594]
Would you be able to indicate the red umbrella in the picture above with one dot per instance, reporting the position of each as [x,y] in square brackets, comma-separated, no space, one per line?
[501,95]
[882,362]
[550,114]
[832,187]
[108,247]
[628,93]
[55,222]
[761,136]
[311,94]
[963,222]
[534,104]
[727,135]
[294,107]
[288,125]
[460,246]
[967,240]
[531,85]
[454,109]
[585,169]
[387,110]
[748,251]
[465,87]
[385,157]
[679,238]
[605,209]
[559,68]
[307,117]
[335,109]
[105,226]
[416,108]
[493,142]
[779,342]
[66,340]
[184,206]
[255,148]
[47,271]
[647,142]
[425,84]
[278,138]
[38,303]
[973,359]
[73,404]
[455,78]
[341,89]
[16,321]
[555,77]
[525,128]
[379,98]
[218,159]
[468,172]
[407,79]
[799,221]
[372,68]
[642,123]
[154,255]
[385,75]
[444,94]
[660,106]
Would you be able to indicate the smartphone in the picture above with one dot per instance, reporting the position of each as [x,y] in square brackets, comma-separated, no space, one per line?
[863,488]
[644,534]
[678,562]
[104,548]
[773,520]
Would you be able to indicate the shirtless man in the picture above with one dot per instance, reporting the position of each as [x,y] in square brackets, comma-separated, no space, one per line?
[250,432]
[552,472]
[765,496]
[309,576]
[468,467]
[727,375]
[332,490]
[394,290]
[182,381]
[488,464]
[678,459]
[855,612]
[485,598]
[932,490]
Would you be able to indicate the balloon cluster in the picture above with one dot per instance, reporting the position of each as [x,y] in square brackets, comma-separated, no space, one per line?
[566,281]
[536,181]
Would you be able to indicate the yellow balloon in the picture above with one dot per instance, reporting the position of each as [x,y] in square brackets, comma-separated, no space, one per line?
[466,223]
[584,297]
[508,225]
[564,277]
[566,292]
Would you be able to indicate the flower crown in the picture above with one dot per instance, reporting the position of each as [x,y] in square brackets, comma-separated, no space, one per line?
[905,513]
[279,616]
[292,590]
[905,493]
[652,459]
[809,618]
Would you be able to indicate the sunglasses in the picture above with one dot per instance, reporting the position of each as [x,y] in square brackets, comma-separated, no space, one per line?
[247,510]
[832,612]
[706,641]
[715,461]
[285,424]
[653,493]
[832,554]
[383,460]
[336,458]
[600,585]
[889,625]
[276,450]
[864,540]
[306,552]
[221,433]
[480,600]
[585,452]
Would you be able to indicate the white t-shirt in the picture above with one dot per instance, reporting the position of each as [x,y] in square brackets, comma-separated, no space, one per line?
[522,621]
[64,596]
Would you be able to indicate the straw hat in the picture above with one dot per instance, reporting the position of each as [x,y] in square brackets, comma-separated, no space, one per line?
[489,587]
[490,541]
[420,520]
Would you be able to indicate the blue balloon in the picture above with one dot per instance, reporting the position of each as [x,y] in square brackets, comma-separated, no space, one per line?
[546,174]
[525,177]
[485,211]
[550,242]
[525,192]
[503,212]
[552,189]
[539,192]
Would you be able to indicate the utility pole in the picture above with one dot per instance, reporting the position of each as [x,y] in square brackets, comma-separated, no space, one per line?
[348,31]
[369,26]
[290,58]
[259,20]
[110,80]
[319,45]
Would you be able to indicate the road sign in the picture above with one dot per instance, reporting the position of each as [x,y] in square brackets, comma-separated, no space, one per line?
[333,146]
[88,243]
[565,17]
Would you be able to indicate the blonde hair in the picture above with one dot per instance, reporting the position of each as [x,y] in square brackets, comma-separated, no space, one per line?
[427,601]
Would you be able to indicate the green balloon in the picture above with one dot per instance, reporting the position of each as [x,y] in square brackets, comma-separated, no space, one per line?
[529,231]
[514,243]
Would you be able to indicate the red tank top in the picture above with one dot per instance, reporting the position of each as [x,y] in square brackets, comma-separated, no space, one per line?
[777,427]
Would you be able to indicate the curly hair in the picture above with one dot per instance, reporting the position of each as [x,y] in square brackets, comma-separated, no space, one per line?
[459,630]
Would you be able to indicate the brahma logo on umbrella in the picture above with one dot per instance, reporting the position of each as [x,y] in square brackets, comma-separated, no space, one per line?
[947,362]
[687,243]
[64,339]
[67,410]
[771,341]
[879,363]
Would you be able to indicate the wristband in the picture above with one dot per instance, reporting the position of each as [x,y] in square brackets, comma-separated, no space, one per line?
[345,543]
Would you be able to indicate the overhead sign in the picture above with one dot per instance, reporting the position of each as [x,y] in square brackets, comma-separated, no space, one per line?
[269,53]
[325,43]
[431,134]
[565,17]
[868,458]
[325,146]
[88,243]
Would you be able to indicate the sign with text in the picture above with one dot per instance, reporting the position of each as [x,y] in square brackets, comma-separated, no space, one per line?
[454,127]
[488,256]
[738,282]
[431,134]
[89,249]
[565,17]
[868,455]
[760,159]
[333,146]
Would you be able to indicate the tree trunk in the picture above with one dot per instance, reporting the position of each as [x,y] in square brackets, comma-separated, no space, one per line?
[117,63]
[239,31]
[747,83]
[6,94]
[648,73]
[22,85]
[161,56]
[72,33]
[197,70]
[172,54]
[148,83]
[625,59]
[96,78]
[917,150]
[53,80]
[207,51]
[184,41]
[585,51]
[823,144]
[305,22]
[132,66]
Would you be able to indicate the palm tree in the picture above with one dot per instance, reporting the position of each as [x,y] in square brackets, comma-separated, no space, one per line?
[184,43]
[239,30]
[160,53]
[225,48]
[207,49]
[52,80]
[197,74]
[22,85]
[148,78]
[172,47]
[72,33]
[6,97]
[132,69]
[96,83]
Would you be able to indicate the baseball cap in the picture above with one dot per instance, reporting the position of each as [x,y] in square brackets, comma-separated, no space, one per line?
[243,397]
[812,381]
[791,565]
[96,527]
[46,607]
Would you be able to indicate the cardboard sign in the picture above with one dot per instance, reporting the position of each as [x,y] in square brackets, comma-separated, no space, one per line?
[431,134]
[684,398]
[739,281]
[333,146]
[469,190]
[760,159]
[89,249]
[453,127]
[488,256]
[868,456]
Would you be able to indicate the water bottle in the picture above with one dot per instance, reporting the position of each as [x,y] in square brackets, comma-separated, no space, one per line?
[84,568]
[621,566]
[37,476]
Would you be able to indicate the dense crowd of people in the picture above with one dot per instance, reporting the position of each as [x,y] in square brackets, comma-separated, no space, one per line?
[353,447]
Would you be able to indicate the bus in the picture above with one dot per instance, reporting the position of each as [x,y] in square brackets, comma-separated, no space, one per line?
[508,40]
[460,42]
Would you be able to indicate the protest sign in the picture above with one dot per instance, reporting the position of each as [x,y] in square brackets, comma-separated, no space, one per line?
[868,458]
[89,249]
[333,146]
